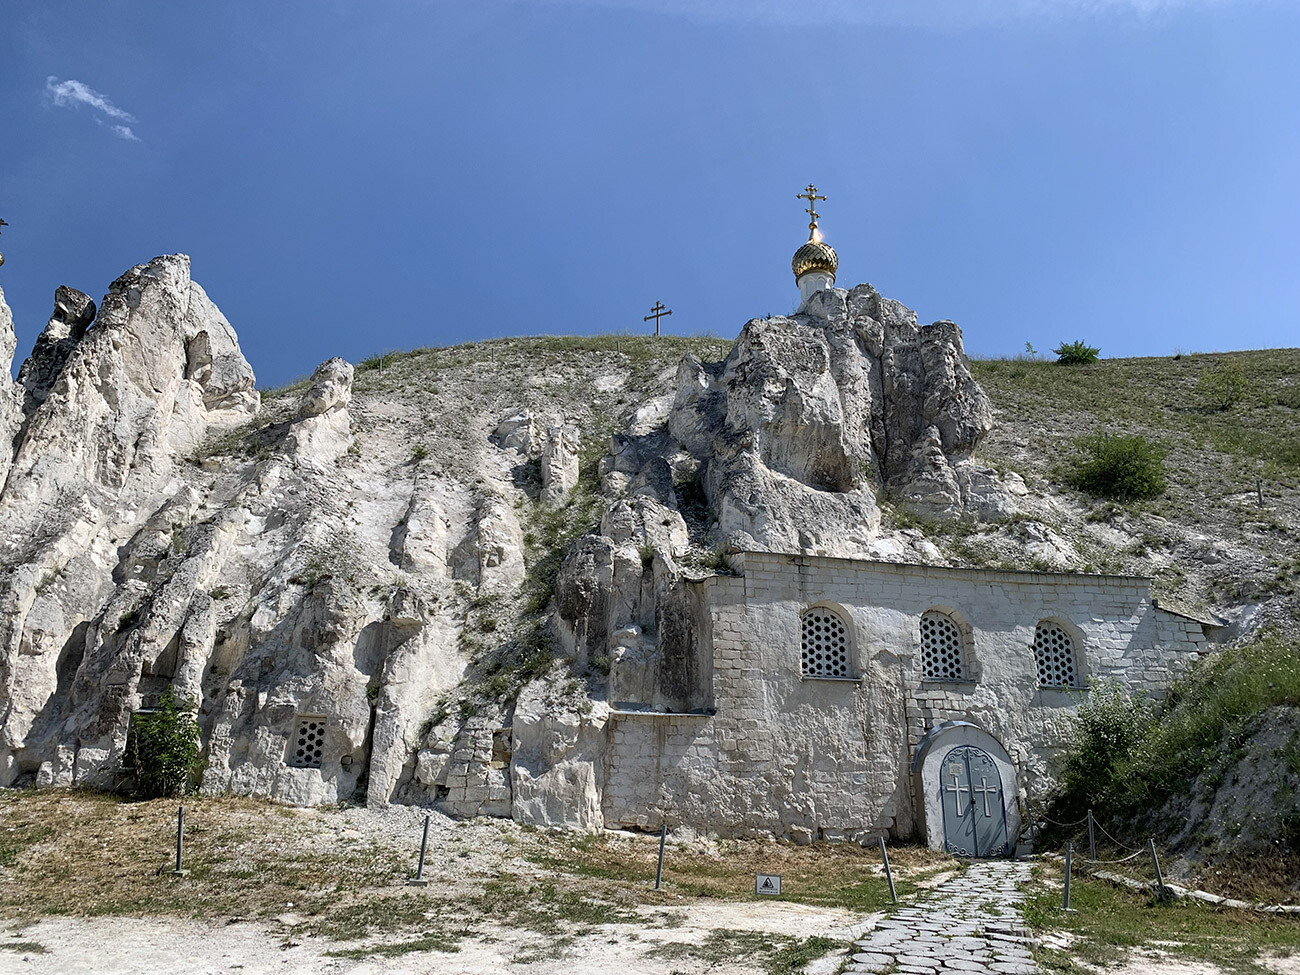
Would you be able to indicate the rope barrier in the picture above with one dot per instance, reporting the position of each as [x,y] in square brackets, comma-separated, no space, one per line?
[1053,822]
[1122,846]
[1131,856]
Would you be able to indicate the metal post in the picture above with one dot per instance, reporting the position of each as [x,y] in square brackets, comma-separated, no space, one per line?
[1092,840]
[180,871]
[1069,858]
[659,871]
[889,874]
[418,880]
[1161,891]
[1259,491]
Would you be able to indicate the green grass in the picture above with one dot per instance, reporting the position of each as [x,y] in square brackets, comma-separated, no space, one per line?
[25,947]
[777,954]
[1110,922]
[1129,759]
[431,941]
[1163,397]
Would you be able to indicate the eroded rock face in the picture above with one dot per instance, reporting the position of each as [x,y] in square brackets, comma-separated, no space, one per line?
[797,428]
[72,315]
[10,397]
[100,593]
[322,604]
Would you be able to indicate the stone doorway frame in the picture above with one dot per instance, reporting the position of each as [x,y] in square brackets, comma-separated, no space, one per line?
[927,762]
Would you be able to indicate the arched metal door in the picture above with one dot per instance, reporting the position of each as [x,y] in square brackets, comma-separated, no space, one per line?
[974,809]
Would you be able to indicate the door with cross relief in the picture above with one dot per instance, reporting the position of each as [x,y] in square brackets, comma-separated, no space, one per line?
[974,809]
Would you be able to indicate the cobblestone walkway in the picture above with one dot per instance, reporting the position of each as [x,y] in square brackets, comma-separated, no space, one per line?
[972,923]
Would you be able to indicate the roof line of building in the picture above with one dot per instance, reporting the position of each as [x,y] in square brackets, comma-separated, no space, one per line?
[962,569]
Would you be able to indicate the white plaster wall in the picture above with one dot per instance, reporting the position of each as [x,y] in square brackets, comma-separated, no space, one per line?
[810,759]
[812,282]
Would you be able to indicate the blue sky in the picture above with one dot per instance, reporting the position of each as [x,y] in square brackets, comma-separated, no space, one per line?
[353,177]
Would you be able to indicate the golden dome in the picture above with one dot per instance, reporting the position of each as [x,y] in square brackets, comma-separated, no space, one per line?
[815,255]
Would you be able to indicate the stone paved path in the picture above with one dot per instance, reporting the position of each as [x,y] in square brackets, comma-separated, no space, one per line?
[972,923]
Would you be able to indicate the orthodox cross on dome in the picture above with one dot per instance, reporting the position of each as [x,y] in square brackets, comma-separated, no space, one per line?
[657,312]
[811,195]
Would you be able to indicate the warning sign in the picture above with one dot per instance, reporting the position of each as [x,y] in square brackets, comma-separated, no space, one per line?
[765,883]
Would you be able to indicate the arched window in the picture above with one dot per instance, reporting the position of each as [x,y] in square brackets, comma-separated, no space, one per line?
[1054,654]
[825,644]
[942,648]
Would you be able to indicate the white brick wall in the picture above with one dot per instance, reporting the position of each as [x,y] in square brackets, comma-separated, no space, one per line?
[808,758]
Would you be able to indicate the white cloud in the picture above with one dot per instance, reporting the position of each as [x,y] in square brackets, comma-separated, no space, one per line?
[72,93]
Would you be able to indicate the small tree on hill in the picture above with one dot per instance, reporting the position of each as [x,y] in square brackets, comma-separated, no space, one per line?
[1078,353]
[1118,467]
[1223,386]
[162,748]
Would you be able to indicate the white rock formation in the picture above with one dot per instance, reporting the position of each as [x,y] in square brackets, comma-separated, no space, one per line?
[292,565]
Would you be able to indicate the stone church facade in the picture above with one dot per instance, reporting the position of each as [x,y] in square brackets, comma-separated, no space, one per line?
[844,698]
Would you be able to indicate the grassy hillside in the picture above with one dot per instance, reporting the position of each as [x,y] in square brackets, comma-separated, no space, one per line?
[1209,539]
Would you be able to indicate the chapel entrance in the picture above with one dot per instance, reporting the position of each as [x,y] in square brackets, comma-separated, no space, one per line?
[974,809]
[966,791]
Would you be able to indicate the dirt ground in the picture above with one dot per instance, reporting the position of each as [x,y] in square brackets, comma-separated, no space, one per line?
[112,946]
[85,886]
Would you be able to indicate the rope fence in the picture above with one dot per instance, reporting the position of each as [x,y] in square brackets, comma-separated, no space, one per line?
[1162,890]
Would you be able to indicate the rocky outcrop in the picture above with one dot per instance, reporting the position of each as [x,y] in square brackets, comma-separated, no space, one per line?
[350,616]
[10,397]
[559,462]
[72,315]
[322,429]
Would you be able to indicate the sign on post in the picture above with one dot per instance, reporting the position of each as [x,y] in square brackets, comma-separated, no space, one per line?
[766,883]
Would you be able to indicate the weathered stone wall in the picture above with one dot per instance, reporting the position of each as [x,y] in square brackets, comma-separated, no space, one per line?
[809,758]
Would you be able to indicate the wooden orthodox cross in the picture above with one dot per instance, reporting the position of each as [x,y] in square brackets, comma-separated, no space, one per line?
[657,312]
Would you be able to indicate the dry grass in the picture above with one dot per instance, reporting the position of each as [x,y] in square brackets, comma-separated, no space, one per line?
[839,875]
[324,873]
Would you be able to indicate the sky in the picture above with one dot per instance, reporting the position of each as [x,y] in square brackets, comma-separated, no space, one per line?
[351,178]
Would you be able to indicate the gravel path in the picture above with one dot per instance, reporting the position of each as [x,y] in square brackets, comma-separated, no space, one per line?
[972,923]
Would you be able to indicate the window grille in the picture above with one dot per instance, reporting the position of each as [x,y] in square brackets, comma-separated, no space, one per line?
[1054,654]
[308,743]
[941,648]
[825,644]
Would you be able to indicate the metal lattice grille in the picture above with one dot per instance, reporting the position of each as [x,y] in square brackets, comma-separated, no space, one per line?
[1054,653]
[825,645]
[308,743]
[941,648]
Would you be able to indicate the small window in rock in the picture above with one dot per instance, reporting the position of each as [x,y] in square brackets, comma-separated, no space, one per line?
[1054,654]
[825,644]
[942,649]
[305,751]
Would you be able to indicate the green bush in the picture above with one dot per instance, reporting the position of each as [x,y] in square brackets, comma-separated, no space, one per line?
[1121,468]
[1222,387]
[1077,353]
[1107,729]
[162,748]
[1127,759]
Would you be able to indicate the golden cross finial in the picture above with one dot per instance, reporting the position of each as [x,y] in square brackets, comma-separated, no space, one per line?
[810,194]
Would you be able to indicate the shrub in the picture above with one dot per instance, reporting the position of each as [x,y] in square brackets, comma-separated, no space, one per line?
[1075,353]
[1126,758]
[1108,727]
[162,748]
[1117,467]
[1222,387]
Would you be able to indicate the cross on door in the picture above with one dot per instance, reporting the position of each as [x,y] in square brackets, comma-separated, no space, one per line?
[987,790]
[957,789]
